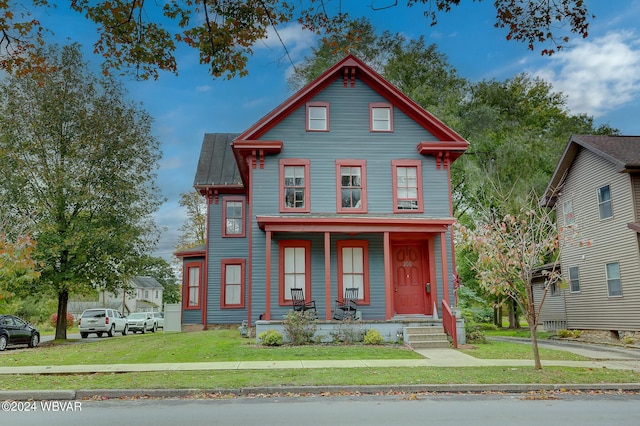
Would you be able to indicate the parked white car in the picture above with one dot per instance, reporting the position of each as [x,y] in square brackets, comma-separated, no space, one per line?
[159,316]
[142,322]
[100,321]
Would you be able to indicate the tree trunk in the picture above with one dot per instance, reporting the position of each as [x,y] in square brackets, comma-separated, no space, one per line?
[61,324]
[513,314]
[497,314]
[534,345]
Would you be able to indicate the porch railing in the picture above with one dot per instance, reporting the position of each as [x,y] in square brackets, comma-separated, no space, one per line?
[449,323]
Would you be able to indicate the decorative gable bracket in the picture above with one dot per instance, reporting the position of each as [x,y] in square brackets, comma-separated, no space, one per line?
[253,152]
[445,153]
[349,76]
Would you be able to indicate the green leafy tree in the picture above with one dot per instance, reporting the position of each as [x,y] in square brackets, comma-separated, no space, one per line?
[193,232]
[145,35]
[78,168]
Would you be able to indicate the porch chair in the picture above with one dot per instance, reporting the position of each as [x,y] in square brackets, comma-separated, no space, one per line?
[299,304]
[347,307]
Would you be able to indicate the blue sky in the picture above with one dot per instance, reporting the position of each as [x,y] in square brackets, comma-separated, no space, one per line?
[600,76]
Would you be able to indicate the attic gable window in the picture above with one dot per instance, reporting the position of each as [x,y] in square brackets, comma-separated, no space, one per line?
[380,117]
[318,117]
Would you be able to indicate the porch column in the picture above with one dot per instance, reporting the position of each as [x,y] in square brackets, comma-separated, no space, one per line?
[267,278]
[445,271]
[388,277]
[327,274]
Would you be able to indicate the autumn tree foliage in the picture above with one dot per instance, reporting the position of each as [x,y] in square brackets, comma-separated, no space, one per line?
[511,249]
[144,35]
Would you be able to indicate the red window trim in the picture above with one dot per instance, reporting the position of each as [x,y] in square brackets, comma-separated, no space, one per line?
[365,259]
[283,300]
[307,185]
[185,285]
[380,105]
[363,185]
[224,217]
[407,163]
[317,104]
[223,285]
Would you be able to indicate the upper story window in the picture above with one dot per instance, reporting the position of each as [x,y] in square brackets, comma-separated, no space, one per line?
[407,186]
[318,117]
[614,285]
[294,190]
[233,217]
[351,188]
[567,211]
[604,202]
[380,117]
[574,279]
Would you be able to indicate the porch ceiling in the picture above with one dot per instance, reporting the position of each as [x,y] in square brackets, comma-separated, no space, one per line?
[353,224]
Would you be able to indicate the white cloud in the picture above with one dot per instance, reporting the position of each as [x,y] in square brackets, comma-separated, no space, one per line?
[597,75]
[294,37]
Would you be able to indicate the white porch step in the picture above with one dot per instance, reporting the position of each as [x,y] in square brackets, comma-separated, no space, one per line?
[428,337]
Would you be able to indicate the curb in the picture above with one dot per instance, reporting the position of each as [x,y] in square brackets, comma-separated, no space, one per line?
[99,394]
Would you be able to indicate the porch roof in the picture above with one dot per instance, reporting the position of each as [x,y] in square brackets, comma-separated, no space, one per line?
[353,223]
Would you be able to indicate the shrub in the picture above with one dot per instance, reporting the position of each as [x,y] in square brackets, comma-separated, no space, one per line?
[53,320]
[574,334]
[300,327]
[270,338]
[474,334]
[348,331]
[373,337]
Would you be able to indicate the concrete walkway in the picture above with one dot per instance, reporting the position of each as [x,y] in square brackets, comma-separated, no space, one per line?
[432,358]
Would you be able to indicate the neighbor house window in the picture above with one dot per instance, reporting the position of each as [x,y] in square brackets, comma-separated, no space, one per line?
[407,186]
[294,192]
[574,279]
[613,279]
[146,294]
[192,285]
[318,117]
[567,210]
[604,202]
[295,269]
[233,217]
[351,188]
[232,283]
[353,268]
[380,117]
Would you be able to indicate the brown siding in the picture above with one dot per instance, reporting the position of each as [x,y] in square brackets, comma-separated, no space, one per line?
[611,241]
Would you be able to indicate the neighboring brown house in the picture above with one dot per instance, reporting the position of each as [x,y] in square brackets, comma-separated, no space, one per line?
[596,189]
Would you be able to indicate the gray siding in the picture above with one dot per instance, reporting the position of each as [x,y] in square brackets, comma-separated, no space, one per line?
[223,248]
[349,138]
[611,241]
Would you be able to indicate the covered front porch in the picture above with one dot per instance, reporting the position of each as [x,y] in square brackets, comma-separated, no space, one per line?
[415,261]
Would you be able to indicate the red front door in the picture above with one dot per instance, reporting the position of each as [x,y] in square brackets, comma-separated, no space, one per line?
[409,280]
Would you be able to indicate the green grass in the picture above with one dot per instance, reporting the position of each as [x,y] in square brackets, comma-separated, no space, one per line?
[237,379]
[227,345]
[204,346]
[507,350]
[518,332]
